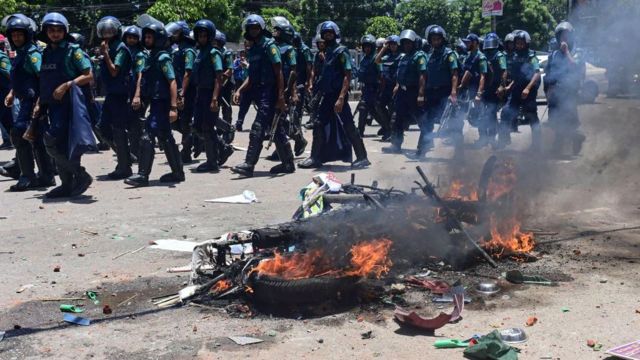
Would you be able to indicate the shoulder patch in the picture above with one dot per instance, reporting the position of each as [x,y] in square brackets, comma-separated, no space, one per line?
[78,55]
[165,69]
[273,51]
[3,64]
[34,59]
[139,62]
[421,61]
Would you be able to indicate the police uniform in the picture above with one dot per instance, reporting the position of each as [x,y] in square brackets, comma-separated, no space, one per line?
[442,64]
[134,128]
[303,59]
[369,76]
[289,56]
[207,65]
[328,144]
[562,83]
[523,67]
[476,64]
[5,87]
[410,67]
[116,115]
[389,74]
[25,80]
[183,59]
[226,92]
[62,64]
[497,65]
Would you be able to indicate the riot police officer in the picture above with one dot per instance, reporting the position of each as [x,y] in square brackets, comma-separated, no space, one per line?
[25,86]
[369,74]
[64,65]
[441,86]
[494,92]
[524,72]
[158,88]
[334,113]
[131,36]
[389,58]
[226,91]
[473,81]
[183,58]
[115,74]
[304,64]
[283,33]
[564,74]
[264,86]
[207,78]
[409,89]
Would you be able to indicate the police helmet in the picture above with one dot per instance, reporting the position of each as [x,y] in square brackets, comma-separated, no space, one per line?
[562,27]
[461,47]
[251,20]
[19,22]
[426,47]
[132,30]
[78,39]
[297,39]
[221,38]
[436,30]
[523,35]
[393,39]
[207,26]
[330,26]
[408,34]
[509,38]
[380,42]
[108,26]
[160,37]
[491,41]
[368,40]
[53,19]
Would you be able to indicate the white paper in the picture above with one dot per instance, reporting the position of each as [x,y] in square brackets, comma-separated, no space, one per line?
[247,197]
[174,245]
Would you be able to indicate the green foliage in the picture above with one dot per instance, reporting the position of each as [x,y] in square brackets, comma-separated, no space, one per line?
[268,13]
[382,26]
[418,14]
[8,7]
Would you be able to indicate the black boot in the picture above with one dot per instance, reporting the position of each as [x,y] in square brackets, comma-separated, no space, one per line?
[65,188]
[253,152]
[10,169]
[312,161]
[145,163]
[187,148]
[224,152]
[123,169]
[197,147]
[274,156]
[82,181]
[175,161]
[286,154]
[24,157]
[211,150]
[358,147]
[134,134]
[46,169]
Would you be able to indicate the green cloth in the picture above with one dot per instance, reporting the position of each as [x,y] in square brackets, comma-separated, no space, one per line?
[5,65]
[491,347]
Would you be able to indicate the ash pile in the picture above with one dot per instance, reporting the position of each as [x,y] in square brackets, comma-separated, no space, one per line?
[347,244]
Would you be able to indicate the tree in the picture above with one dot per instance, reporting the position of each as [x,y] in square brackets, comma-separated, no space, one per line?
[382,26]
[221,12]
[529,15]
[418,14]
[13,6]
[268,13]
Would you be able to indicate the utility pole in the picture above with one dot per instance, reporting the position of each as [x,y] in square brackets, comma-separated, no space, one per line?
[494,23]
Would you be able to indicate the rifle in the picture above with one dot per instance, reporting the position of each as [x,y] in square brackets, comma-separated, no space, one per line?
[446,116]
[274,126]
[314,105]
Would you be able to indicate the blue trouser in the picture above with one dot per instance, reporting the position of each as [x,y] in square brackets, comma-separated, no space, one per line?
[157,123]
[56,140]
[563,118]
[6,118]
[203,117]
[514,107]
[369,96]
[434,105]
[23,118]
[115,112]
[488,124]
[245,103]
[331,135]
[265,99]
[406,110]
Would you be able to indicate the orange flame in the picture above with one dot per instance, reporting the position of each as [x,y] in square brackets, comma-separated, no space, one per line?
[221,286]
[367,258]
[502,181]
[458,190]
[506,237]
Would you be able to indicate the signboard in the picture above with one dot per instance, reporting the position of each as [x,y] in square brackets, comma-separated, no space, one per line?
[492,7]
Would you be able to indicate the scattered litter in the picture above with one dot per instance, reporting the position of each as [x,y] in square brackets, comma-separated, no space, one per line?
[245,340]
[517,277]
[89,232]
[125,301]
[630,351]
[413,319]
[174,245]
[135,197]
[7,252]
[24,287]
[238,148]
[532,320]
[487,288]
[179,269]
[1,335]
[447,299]
[513,336]
[56,268]
[506,297]
[491,347]
[638,311]
[61,299]
[247,197]
[70,318]
[603,281]
[450,344]
[107,310]
[565,309]
[320,341]
[271,333]
[367,335]
[70,309]
[436,286]
[398,288]
[93,296]
[129,252]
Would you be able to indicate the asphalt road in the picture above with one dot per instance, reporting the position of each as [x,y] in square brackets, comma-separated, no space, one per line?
[595,191]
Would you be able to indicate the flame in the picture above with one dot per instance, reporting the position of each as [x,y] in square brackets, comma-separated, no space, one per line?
[502,181]
[221,286]
[370,258]
[367,258]
[458,190]
[506,237]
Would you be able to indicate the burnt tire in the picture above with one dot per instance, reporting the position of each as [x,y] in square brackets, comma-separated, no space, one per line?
[273,290]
